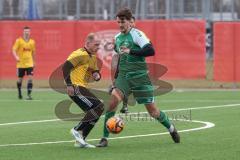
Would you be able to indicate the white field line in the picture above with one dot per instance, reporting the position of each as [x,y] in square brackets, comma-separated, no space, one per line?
[206,126]
[171,110]
[206,107]
[165,101]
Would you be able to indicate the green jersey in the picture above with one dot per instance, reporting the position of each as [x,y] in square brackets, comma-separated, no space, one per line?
[133,76]
[134,39]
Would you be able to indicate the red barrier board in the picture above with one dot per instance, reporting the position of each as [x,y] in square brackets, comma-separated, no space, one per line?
[179,45]
[54,41]
[226,51]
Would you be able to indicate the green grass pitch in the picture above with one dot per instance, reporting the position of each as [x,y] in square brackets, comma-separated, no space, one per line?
[24,135]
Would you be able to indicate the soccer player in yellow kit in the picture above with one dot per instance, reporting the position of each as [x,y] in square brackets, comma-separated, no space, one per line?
[24,51]
[78,70]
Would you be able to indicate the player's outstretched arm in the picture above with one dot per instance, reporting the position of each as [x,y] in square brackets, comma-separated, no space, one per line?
[114,67]
[67,67]
[15,55]
[146,51]
[33,58]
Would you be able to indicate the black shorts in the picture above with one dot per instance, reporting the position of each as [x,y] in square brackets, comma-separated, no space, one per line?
[85,99]
[22,71]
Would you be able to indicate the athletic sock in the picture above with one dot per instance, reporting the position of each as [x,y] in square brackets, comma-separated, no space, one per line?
[19,86]
[163,119]
[89,120]
[171,129]
[29,87]
[108,115]
[88,127]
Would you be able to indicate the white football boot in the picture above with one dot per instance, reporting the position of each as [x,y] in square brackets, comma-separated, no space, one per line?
[79,145]
[80,142]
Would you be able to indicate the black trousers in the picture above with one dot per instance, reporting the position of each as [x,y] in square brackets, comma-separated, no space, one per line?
[85,99]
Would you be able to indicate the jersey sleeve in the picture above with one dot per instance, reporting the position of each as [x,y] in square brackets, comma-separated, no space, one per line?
[115,49]
[115,45]
[77,58]
[16,45]
[139,38]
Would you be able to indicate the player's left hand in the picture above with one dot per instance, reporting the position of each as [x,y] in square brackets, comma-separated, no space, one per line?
[111,88]
[124,49]
[70,90]
[96,76]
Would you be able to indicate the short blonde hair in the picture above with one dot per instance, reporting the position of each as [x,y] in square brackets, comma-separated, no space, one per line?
[90,37]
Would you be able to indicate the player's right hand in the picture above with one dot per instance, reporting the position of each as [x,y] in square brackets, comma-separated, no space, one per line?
[124,50]
[70,90]
[111,88]
[17,58]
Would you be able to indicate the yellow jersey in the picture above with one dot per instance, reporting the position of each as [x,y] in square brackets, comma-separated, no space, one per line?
[25,51]
[84,64]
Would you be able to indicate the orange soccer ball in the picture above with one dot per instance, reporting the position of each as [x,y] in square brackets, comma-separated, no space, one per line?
[115,125]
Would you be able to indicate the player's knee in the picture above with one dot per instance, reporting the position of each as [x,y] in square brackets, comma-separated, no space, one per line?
[30,80]
[117,94]
[113,104]
[92,115]
[98,109]
[154,113]
[152,110]
[19,80]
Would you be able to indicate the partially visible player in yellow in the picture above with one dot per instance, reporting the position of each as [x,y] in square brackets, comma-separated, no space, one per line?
[78,70]
[24,52]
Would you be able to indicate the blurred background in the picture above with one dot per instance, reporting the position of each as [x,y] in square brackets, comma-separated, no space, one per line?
[210,10]
[195,39]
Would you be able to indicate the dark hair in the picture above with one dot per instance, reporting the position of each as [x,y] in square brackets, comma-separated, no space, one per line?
[26,27]
[124,13]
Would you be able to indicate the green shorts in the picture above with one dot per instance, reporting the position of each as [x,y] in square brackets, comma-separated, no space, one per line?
[137,83]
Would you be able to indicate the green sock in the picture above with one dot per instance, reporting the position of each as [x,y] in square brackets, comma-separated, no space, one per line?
[163,118]
[108,115]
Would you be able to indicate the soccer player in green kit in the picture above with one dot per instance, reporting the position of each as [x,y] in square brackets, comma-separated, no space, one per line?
[132,46]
